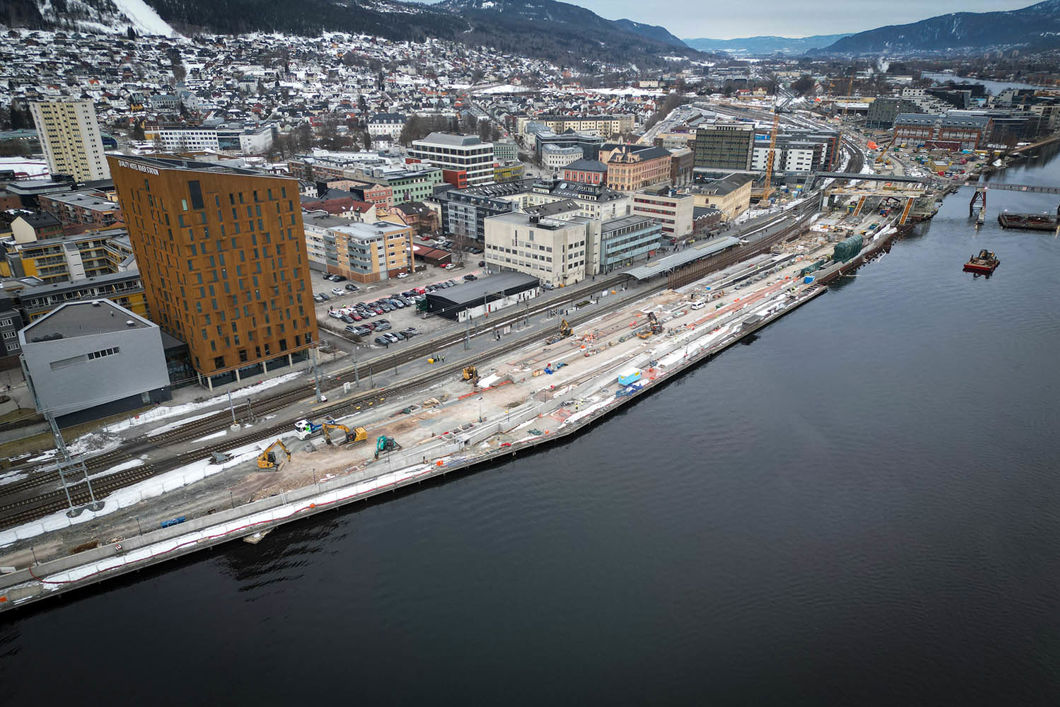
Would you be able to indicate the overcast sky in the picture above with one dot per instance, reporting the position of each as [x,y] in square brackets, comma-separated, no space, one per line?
[726,19]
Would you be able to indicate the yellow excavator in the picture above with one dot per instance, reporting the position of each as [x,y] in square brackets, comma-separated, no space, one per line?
[270,460]
[357,434]
[565,330]
[654,327]
[471,374]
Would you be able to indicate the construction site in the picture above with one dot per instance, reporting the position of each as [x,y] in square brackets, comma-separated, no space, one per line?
[487,406]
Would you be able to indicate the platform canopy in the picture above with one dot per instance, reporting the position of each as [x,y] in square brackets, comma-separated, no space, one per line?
[684,257]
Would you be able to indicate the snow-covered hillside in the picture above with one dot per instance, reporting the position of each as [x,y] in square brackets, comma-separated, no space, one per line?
[112,16]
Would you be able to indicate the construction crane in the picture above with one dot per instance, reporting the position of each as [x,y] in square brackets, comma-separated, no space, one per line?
[357,434]
[767,188]
[269,460]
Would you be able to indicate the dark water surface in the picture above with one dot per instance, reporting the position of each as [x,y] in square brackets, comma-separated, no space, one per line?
[859,508]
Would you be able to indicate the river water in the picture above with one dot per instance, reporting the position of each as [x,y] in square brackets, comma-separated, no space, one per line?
[860,507]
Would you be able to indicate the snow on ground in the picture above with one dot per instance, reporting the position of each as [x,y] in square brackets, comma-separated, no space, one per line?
[11,477]
[131,464]
[131,495]
[505,88]
[91,442]
[173,425]
[286,510]
[163,411]
[625,92]
[215,435]
[144,19]
[34,168]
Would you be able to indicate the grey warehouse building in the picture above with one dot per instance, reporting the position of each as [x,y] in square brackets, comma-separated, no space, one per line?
[485,295]
[90,359]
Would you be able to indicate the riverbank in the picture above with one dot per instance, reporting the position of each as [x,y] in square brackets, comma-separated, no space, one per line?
[454,453]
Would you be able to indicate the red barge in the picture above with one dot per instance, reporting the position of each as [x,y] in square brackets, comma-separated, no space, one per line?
[984,263]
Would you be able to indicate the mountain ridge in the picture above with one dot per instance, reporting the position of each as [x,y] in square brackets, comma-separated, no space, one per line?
[1035,26]
[764,44]
[548,29]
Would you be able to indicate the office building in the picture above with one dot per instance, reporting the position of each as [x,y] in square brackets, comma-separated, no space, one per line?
[222,254]
[883,111]
[724,146]
[672,210]
[505,150]
[93,355]
[633,167]
[626,240]
[730,195]
[69,136]
[586,172]
[557,157]
[589,144]
[558,252]
[945,132]
[456,152]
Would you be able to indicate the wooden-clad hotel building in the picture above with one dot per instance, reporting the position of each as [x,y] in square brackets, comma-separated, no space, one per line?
[222,254]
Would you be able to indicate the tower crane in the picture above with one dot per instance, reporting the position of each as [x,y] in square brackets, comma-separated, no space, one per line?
[767,188]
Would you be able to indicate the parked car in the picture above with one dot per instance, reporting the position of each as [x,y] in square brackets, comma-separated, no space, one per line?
[398,334]
[382,341]
[410,331]
[402,275]
[469,277]
[318,298]
[338,291]
[323,297]
[347,318]
[361,330]
[482,263]
[448,266]
[391,338]
[338,278]
[352,287]
[354,330]
[382,326]
[335,314]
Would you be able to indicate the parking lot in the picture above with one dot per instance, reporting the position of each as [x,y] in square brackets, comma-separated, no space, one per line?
[383,314]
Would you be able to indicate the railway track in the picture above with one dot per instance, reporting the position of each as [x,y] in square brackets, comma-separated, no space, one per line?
[20,507]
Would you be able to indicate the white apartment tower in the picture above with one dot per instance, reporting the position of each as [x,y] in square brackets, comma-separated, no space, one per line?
[69,136]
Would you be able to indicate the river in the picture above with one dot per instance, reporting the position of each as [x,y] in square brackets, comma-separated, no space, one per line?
[859,507]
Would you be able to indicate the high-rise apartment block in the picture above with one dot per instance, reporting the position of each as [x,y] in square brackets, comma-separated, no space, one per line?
[222,254]
[69,136]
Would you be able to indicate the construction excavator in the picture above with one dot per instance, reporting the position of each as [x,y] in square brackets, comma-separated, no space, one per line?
[565,330]
[357,434]
[384,444]
[471,374]
[271,460]
[654,327]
